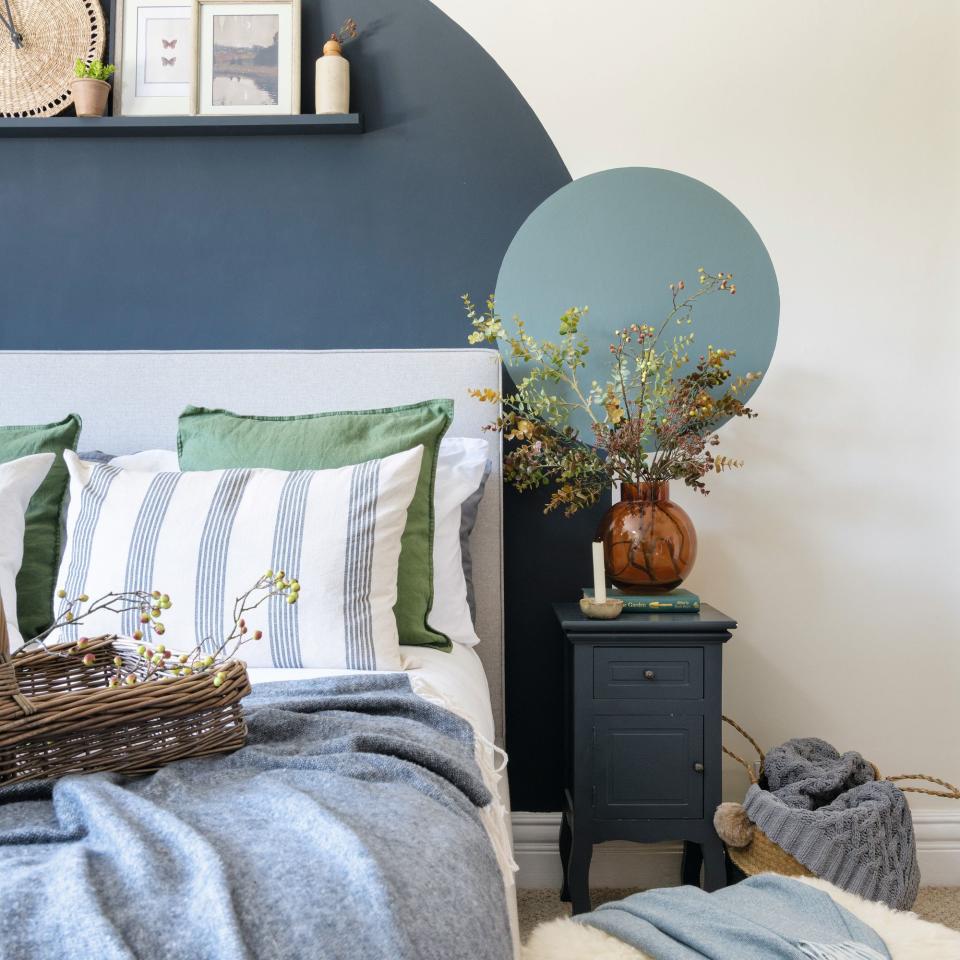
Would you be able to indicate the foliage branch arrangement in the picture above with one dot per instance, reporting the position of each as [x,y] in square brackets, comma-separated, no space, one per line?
[348,31]
[206,657]
[656,398]
[96,70]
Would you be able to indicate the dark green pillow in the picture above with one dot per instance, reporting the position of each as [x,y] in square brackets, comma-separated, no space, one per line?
[218,440]
[37,579]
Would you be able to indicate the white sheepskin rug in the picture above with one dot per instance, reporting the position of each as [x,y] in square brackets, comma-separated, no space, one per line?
[907,936]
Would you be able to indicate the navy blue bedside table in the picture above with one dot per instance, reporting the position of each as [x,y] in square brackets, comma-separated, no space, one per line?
[642,697]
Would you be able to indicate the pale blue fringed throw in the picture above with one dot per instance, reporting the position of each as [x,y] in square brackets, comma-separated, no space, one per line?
[764,918]
[346,829]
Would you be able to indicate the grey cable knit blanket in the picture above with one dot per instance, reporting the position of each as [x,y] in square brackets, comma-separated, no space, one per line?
[828,812]
[346,829]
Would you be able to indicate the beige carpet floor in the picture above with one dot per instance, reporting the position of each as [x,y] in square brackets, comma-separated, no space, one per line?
[940,904]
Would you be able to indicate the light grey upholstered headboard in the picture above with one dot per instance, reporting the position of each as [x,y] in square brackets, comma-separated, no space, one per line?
[130,400]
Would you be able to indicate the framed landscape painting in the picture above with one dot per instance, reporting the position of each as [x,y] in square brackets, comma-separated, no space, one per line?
[155,58]
[248,57]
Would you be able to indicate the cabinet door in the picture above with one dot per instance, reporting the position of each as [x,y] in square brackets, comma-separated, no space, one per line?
[646,768]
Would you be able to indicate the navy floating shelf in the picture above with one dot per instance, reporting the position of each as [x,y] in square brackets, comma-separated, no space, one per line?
[299,124]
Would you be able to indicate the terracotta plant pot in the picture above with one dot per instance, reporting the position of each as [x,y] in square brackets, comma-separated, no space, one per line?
[649,544]
[90,96]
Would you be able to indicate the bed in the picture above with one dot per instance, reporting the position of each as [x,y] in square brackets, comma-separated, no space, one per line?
[122,419]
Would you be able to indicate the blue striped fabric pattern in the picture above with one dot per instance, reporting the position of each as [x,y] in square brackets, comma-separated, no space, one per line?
[284,632]
[143,543]
[204,537]
[212,562]
[357,572]
[92,497]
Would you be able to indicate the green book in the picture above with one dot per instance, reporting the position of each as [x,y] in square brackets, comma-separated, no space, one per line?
[676,601]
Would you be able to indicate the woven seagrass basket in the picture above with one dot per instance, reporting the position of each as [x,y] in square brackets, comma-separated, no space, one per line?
[762,855]
[59,716]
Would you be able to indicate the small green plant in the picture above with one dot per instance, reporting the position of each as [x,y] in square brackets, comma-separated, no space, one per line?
[98,70]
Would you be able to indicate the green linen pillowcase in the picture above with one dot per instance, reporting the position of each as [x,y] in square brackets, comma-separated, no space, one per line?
[217,440]
[37,579]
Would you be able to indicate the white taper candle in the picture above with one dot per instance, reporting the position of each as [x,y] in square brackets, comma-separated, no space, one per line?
[599,576]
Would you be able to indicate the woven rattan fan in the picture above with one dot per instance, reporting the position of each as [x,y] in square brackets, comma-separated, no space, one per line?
[35,77]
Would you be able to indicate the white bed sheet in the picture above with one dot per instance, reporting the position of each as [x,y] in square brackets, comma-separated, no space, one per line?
[457,680]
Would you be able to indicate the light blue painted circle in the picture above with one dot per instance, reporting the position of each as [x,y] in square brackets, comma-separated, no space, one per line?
[614,241]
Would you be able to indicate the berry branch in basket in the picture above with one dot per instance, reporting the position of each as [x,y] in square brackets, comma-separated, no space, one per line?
[156,661]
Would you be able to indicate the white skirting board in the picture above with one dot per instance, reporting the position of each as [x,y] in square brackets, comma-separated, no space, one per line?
[658,864]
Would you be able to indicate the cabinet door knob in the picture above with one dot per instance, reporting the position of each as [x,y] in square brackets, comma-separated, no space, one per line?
[648,674]
[698,767]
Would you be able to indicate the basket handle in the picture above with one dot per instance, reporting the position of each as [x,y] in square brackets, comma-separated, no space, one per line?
[756,746]
[9,688]
[950,792]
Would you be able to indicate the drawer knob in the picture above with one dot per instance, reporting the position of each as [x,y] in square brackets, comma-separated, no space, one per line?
[698,767]
[648,675]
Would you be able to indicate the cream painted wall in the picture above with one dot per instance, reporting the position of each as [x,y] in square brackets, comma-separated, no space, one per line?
[834,125]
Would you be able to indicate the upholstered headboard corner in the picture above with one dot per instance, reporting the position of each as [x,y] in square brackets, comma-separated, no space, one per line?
[124,410]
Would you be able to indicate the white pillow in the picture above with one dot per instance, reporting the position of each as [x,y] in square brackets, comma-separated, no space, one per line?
[460,471]
[204,537]
[155,460]
[19,480]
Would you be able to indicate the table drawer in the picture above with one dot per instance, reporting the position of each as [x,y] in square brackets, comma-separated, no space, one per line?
[648,673]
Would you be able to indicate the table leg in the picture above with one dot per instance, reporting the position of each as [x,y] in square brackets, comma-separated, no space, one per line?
[578,870]
[714,865]
[566,841]
[691,863]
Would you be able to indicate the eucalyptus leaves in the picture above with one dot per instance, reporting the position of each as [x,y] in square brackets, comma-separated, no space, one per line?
[654,419]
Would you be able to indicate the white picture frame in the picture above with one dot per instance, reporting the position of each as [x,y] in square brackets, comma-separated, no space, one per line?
[156,66]
[247,57]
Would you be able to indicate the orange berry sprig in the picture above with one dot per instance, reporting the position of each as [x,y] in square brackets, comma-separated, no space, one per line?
[155,661]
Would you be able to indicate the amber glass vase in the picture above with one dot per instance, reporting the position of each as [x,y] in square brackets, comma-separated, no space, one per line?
[649,544]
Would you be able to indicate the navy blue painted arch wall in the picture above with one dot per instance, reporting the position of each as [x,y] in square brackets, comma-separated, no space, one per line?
[313,242]
[343,240]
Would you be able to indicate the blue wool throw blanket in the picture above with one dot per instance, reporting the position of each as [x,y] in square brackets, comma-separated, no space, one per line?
[346,829]
[764,918]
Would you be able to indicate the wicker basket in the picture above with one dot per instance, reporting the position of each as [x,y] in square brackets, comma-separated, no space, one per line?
[762,855]
[58,716]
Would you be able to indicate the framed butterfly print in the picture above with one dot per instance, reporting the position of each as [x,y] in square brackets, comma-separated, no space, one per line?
[155,58]
[248,57]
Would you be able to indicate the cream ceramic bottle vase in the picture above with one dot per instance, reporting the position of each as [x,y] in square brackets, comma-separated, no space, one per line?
[333,79]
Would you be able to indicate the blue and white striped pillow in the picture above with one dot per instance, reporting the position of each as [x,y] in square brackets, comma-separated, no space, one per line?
[204,537]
